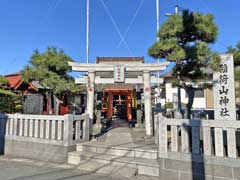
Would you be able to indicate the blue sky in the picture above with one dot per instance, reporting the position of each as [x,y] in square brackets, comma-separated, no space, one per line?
[36,24]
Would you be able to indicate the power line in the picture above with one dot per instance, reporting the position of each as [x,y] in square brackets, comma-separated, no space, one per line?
[132,21]
[116,27]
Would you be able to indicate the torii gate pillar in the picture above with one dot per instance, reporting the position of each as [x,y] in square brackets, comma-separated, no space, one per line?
[90,102]
[147,103]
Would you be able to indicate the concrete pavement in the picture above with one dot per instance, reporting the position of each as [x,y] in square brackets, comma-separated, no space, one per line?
[24,169]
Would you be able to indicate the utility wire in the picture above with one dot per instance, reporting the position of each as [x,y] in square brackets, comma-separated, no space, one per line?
[116,27]
[132,21]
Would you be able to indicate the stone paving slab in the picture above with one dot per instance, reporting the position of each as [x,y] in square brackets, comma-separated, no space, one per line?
[109,158]
[24,169]
[141,177]
[119,145]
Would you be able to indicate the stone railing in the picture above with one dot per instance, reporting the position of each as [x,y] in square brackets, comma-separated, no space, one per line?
[212,138]
[49,129]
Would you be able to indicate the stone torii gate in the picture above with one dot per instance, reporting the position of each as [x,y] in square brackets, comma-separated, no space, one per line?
[119,69]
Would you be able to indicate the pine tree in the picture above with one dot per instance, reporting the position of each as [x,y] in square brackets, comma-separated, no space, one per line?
[10,102]
[184,39]
[51,69]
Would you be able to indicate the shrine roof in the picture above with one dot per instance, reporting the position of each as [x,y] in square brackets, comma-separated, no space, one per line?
[15,80]
[120,60]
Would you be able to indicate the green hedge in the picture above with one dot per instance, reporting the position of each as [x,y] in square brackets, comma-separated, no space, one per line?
[9,102]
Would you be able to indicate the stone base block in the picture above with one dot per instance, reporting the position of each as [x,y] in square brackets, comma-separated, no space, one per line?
[37,151]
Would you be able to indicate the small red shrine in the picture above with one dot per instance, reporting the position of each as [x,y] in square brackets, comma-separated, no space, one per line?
[119,103]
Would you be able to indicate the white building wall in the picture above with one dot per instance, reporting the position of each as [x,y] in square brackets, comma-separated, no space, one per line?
[197,104]
[169,92]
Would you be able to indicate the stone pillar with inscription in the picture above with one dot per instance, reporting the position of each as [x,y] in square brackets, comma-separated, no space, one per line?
[224,90]
[147,103]
[224,104]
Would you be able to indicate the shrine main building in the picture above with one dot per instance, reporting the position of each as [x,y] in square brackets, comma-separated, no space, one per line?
[120,84]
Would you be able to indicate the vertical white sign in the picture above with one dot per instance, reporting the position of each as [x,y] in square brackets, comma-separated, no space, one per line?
[224,90]
[119,71]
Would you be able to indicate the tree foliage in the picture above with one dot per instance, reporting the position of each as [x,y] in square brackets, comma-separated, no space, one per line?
[3,81]
[51,69]
[236,53]
[185,40]
[9,101]
[236,57]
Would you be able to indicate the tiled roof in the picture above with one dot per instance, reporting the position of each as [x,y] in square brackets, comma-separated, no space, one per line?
[15,80]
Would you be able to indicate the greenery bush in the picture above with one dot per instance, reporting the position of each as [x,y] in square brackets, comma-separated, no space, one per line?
[9,101]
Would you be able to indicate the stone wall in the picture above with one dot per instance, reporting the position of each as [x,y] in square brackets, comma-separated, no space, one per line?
[42,137]
[38,151]
[207,169]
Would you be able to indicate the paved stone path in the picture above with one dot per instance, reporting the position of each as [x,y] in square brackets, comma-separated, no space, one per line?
[122,136]
[24,169]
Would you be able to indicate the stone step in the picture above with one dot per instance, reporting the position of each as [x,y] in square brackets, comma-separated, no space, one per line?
[144,166]
[108,169]
[142,152]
